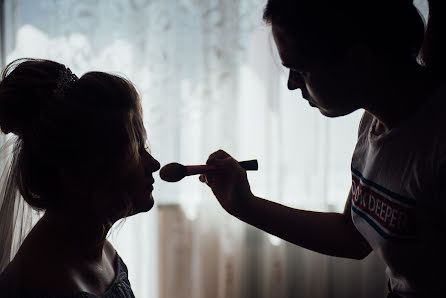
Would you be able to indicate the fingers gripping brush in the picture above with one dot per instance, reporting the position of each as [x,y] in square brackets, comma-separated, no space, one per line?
[174,172]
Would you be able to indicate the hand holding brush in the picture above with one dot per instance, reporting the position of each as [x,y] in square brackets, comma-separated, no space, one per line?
[174,172]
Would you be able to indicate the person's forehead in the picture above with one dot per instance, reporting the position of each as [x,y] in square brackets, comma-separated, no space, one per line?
[138,124]
[290,49]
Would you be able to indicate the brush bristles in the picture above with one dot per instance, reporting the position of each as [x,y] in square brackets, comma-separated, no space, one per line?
[173,172]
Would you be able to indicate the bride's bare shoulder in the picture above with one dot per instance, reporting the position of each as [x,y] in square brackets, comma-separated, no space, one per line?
[32,268]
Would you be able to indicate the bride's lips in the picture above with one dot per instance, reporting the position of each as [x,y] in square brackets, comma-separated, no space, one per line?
[149,186]
[307,97]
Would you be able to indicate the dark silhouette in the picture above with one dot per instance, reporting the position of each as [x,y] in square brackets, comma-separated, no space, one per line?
[174,172]
[80,156]
[349,55]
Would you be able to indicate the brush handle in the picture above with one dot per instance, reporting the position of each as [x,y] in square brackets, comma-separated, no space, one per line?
[248,165]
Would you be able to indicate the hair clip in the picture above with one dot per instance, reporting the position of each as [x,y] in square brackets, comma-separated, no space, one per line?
[65,82]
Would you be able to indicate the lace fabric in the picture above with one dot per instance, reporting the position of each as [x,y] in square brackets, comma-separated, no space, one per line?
[65,82]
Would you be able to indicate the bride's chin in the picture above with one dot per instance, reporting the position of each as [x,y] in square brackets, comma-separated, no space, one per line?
[145,205]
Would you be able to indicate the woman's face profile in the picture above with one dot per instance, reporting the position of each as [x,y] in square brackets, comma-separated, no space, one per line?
[326,86]
[137,183]
[130,183]
[142,193]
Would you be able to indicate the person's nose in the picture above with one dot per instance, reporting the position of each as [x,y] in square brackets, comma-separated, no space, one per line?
[151,164]
[155,164]
[295,80]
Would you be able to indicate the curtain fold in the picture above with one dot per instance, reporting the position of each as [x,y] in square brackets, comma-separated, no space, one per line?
[209,78]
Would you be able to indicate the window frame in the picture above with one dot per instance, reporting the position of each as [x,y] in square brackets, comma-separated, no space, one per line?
[2,34]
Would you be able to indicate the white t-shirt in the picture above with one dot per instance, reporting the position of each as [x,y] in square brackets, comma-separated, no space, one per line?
[399,197]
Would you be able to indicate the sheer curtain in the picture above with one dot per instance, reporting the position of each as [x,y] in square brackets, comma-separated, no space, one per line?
[209,78]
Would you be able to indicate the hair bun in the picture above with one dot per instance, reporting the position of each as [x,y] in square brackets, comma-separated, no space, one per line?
[26,87]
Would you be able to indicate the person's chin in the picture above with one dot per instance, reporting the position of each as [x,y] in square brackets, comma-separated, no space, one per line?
[329,114]
[144,205]
[323,111]
[334,113]
[148,204]
[151,203]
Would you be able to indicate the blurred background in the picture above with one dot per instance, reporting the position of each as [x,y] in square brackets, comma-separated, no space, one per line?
[209,78]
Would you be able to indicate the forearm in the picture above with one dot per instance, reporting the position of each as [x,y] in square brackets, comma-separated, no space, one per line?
[326,233]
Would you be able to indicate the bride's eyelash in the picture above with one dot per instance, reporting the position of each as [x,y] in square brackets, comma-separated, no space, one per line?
[143,146]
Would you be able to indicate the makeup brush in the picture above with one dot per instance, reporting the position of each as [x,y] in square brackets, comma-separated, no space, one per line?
[174,172]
